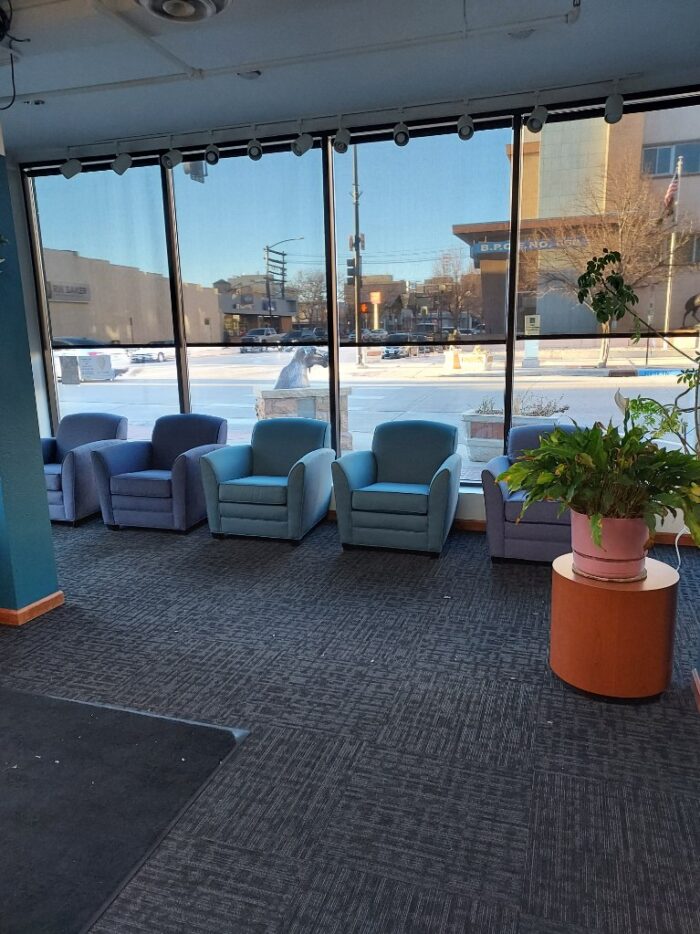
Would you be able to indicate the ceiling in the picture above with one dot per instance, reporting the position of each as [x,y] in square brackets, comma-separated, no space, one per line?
[108,71]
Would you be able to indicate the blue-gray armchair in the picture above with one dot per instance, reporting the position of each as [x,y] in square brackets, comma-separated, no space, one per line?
[68,474]
[157,484]
[278,486]
[403,493]
[541,534]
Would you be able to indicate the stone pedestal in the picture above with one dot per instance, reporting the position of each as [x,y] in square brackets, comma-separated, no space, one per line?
[310,402]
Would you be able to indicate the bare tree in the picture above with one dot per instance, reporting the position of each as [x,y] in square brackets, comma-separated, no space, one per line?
[458,287]
[622,211]
[310,287]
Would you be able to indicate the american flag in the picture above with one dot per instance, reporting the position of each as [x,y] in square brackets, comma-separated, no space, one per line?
[671,192]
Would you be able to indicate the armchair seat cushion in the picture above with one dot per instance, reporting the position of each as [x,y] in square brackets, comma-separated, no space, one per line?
[156,483]
[257,489]
[52,476]
[537,513]
[405,498]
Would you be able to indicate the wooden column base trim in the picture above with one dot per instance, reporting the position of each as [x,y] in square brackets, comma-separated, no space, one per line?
[32,610]
[696,686]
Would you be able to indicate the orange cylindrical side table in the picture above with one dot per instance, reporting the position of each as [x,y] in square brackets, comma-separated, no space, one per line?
[615,640]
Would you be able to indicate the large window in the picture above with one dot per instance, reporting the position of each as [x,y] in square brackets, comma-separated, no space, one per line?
[587,185]
[415,291]
[107,284]
[423,272]
[251,247]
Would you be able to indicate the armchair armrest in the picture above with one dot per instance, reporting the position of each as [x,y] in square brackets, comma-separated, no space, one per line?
[115,458]
[229,462]
[189,505]
[78,479]
[350,472]
[309,490]
[357,469]
[48,450]
[123,457]
[492,470]
[442,501]
[495,494]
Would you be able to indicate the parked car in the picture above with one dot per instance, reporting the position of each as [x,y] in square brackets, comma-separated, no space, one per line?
[259,339]
[152,354]
[304,336]
[377,335]
[364,335]
[102,363]
[396,345]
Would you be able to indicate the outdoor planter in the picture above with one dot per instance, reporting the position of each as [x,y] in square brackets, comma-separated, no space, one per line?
[484,433]
[621,554]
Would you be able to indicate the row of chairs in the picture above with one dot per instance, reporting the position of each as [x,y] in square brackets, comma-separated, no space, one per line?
[400,494]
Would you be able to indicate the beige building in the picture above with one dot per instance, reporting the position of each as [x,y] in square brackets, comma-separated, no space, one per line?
[585,185]
[109,303]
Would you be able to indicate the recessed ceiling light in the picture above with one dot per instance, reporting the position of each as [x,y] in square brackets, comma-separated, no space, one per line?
[249,75]
[37,102]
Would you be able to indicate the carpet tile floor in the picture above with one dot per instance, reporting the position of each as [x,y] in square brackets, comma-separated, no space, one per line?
[413,766]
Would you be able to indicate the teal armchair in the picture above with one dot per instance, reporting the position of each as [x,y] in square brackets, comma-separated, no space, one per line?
[403,493]
[278,486]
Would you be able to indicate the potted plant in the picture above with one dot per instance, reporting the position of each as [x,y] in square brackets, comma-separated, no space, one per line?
[617,482]
[483,426]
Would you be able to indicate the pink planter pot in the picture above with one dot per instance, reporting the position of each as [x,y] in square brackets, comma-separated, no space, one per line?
[621,556]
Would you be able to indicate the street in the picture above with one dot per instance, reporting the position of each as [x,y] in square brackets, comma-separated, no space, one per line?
[225,382]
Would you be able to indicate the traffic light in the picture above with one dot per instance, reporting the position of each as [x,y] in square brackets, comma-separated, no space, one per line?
[350,272]
[364,308]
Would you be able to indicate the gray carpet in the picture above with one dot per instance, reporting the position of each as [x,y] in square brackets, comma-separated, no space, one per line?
[413,765]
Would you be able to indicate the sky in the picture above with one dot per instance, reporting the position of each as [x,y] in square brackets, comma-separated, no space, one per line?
[410,199]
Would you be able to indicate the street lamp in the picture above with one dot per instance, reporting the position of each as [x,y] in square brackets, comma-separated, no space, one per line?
[270,248]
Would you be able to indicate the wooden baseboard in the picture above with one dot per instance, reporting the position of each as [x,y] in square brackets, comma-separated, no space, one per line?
[32,610]
[479,525]
[470,525]
[696,686]
[668,538]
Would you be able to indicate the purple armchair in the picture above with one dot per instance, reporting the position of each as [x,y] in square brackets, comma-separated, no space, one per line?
[541,534]
[157,484]
[68,474]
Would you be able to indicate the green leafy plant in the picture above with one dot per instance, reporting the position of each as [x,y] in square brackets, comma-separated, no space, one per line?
[610,472]
[603,289]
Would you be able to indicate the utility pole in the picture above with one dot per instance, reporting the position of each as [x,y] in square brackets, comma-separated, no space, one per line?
[356,249]
[672,247]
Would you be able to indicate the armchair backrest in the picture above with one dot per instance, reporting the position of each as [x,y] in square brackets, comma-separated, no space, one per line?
[278,443]
[84,427]
[411,451]
[175,434]
[525,437]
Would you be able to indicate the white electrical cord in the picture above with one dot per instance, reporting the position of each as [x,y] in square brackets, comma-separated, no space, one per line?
[675,545]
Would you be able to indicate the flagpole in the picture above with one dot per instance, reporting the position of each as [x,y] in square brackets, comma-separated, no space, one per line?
[672,247]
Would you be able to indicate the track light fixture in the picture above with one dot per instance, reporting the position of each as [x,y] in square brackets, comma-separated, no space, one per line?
[122,163]
[341,142]
[171,158]
[465,127]
[302,143]
[212,154]
[71,168]
[614,107]
[401,134]
[254,150]
[537,118]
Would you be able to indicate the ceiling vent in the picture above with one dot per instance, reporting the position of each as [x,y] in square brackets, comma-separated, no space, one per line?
[184,11]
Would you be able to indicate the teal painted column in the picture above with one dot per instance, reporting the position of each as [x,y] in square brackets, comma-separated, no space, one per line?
[27,564]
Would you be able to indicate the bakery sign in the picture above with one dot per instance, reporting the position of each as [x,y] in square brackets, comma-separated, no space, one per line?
[69,292]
